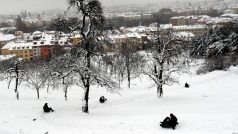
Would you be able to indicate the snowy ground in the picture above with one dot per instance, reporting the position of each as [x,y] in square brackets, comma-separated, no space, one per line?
[209,106]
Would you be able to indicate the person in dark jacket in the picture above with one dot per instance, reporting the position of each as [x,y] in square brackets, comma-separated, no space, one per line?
[173,121]
[165,123]
[102,99]
[186,85]
[47,109]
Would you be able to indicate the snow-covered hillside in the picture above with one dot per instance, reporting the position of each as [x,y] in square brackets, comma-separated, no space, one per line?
[209,106]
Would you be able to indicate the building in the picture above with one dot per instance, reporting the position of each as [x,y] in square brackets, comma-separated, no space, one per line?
[195,29]
[178,21]
[40,48]
[163,15]
[28,50]
[134,39]
[5,38]
[189,20]
[22,50]
[76,39]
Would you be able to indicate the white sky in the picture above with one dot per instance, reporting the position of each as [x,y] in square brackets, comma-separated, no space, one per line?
[15,6]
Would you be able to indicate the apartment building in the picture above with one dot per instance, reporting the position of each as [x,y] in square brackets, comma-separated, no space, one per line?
[22,50]
[178,20]
[188,20]
[195,29]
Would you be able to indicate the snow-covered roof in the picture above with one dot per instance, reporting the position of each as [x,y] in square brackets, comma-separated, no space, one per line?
[144,29]
[37,33]
[184,34]
[120,36]
[230,15]
[134,35]
[217,20]
[166,26]
[190,27]
[18,46]
[7,28]
[7,37]
[178,17]
[193,17]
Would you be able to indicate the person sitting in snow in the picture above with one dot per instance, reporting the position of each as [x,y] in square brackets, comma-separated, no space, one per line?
[102,99]
[186,85]
[47,109]
[169,122]
[165,123]
[173,121]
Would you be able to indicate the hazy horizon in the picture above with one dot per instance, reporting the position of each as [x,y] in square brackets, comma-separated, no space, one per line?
[16,6]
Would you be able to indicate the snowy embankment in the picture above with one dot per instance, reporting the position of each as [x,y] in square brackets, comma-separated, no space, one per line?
[209,106]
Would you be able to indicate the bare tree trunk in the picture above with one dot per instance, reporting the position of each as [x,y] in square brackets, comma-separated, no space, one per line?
[159,91]
[159,78]
[86,97]
[9,83]
[160,86]
[129,78]
[17,81]
[48,87]
[128,72]
[16,90]
[38,93]
[66,92]
[87,77]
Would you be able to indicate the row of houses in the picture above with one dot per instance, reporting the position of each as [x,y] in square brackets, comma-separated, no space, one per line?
[35,49]
[223,20]
[163,29]
[28,50]
[189,20]
[37,45]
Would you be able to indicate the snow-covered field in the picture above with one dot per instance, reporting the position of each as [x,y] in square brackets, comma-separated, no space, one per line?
[209,106]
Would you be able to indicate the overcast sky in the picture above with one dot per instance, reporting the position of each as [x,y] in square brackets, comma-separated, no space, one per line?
[15,6]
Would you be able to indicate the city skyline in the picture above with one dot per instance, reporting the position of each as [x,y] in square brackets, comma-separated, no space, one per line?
[16,6]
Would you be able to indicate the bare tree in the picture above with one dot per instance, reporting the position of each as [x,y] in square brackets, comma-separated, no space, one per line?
[116,64]
[132,60]
[89,24]
[167,59]
[62,71]
[97,74]
[12,70]
[36,76]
